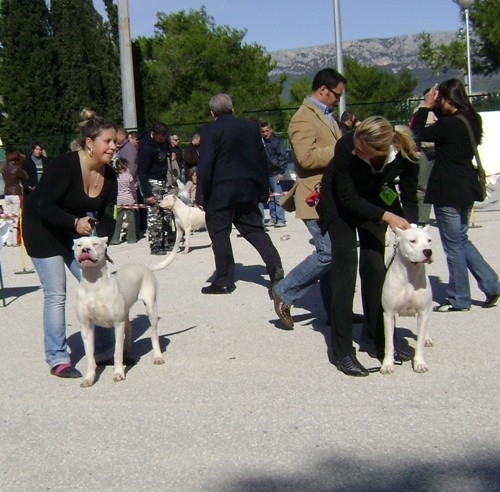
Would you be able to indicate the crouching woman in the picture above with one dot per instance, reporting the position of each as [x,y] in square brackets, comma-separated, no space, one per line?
[359,198]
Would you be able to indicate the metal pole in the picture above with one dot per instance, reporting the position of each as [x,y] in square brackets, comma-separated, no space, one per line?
[126,67]
[338,49]
[469,64]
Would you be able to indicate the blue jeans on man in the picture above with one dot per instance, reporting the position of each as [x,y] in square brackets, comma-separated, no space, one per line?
[462,256]
[316,266]
[276,211]
[52,275]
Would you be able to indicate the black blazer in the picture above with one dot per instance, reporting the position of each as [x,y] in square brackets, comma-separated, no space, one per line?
[453,180]
[232,167]
[350,189]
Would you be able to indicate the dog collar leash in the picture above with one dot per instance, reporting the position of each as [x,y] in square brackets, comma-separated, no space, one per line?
[395,247]
[109,259]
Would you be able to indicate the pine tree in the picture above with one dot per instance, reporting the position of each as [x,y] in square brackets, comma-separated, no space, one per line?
[88,72]
[27,67]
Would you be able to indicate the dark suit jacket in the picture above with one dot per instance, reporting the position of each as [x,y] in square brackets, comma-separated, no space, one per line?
[232,167]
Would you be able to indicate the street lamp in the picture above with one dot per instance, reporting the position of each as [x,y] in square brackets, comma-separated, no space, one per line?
[338,49]
[465,5]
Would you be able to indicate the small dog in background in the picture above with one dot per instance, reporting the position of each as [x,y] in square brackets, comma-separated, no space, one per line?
[187,219]
[407,292]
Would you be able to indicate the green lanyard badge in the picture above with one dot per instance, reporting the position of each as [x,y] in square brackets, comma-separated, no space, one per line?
[388,195]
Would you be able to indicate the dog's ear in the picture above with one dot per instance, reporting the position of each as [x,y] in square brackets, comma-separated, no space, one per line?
[398,232]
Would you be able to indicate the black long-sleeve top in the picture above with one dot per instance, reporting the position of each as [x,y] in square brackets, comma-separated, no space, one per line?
[453,180]
[50,211]
[351,187]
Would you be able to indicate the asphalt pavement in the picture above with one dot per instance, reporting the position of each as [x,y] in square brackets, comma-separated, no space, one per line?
[242,405]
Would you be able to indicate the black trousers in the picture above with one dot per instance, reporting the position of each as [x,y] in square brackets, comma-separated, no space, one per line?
[247,219]
[344,269]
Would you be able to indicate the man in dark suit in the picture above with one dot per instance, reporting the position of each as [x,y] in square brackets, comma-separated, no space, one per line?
[232,180]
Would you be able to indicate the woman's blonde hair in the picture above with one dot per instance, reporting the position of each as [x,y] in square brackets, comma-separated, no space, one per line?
[90,127]
[377,135]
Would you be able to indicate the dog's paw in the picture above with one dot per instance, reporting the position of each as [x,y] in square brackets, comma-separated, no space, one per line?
[118,376]
[158,361]
[87,382]
[387,367]
[420,366]
[428,342]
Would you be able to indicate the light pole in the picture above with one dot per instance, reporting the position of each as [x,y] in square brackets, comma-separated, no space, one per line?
[338,49]
[465,5]
[126,67]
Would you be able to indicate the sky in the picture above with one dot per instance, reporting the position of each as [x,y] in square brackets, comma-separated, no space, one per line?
[284,24]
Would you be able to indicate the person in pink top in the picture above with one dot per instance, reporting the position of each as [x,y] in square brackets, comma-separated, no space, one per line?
[127,196]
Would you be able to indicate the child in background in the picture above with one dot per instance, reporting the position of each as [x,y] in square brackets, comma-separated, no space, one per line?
[127,195]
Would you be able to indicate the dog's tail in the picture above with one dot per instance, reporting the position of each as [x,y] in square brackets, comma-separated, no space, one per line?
[170,258]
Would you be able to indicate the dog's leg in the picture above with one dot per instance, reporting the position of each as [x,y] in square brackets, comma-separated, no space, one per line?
[388,362]
[88,343]
[152,311]
[119,372]
[187,243]
[419,364]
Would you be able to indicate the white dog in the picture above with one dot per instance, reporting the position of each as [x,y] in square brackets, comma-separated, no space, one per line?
[407,292]
[106,299]
[187,218]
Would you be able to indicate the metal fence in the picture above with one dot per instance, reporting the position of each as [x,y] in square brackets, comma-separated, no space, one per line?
[398,112]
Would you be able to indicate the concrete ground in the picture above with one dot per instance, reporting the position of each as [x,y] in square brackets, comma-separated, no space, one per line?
[242,405]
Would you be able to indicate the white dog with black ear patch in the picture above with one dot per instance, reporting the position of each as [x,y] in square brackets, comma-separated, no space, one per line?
[105,300]
[407,292]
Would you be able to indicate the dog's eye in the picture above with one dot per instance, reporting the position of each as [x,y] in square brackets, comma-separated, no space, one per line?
[412,241]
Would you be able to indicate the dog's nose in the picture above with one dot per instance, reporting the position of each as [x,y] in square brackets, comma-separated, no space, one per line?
[427,253]
[86,250]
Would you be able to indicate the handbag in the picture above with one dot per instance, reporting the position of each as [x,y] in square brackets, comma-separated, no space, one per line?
[481,174]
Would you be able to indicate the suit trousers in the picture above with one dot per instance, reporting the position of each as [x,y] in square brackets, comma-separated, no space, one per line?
[247,219]
[372,270]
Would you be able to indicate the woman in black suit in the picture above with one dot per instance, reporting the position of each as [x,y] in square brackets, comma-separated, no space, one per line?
[453,188]
[359,198]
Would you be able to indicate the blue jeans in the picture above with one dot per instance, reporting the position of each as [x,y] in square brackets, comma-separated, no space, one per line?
[276,212]
[53,278]
[461,256]
[315,267]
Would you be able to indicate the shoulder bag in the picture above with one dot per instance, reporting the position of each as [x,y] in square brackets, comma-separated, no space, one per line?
[481,175]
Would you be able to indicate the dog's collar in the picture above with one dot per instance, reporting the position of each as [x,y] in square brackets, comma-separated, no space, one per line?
[109,259]
[395,247]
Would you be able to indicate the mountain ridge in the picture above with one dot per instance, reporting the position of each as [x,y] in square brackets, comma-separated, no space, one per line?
[393,53]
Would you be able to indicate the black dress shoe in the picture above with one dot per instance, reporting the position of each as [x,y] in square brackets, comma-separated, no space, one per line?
[215,289]
[351,366]
[491,300]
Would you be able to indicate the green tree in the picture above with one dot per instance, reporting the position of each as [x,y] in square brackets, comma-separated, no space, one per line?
[26,79]
[443,57]
[88,72]
[190,58]
[299,89]
[485,20]
[377,89]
